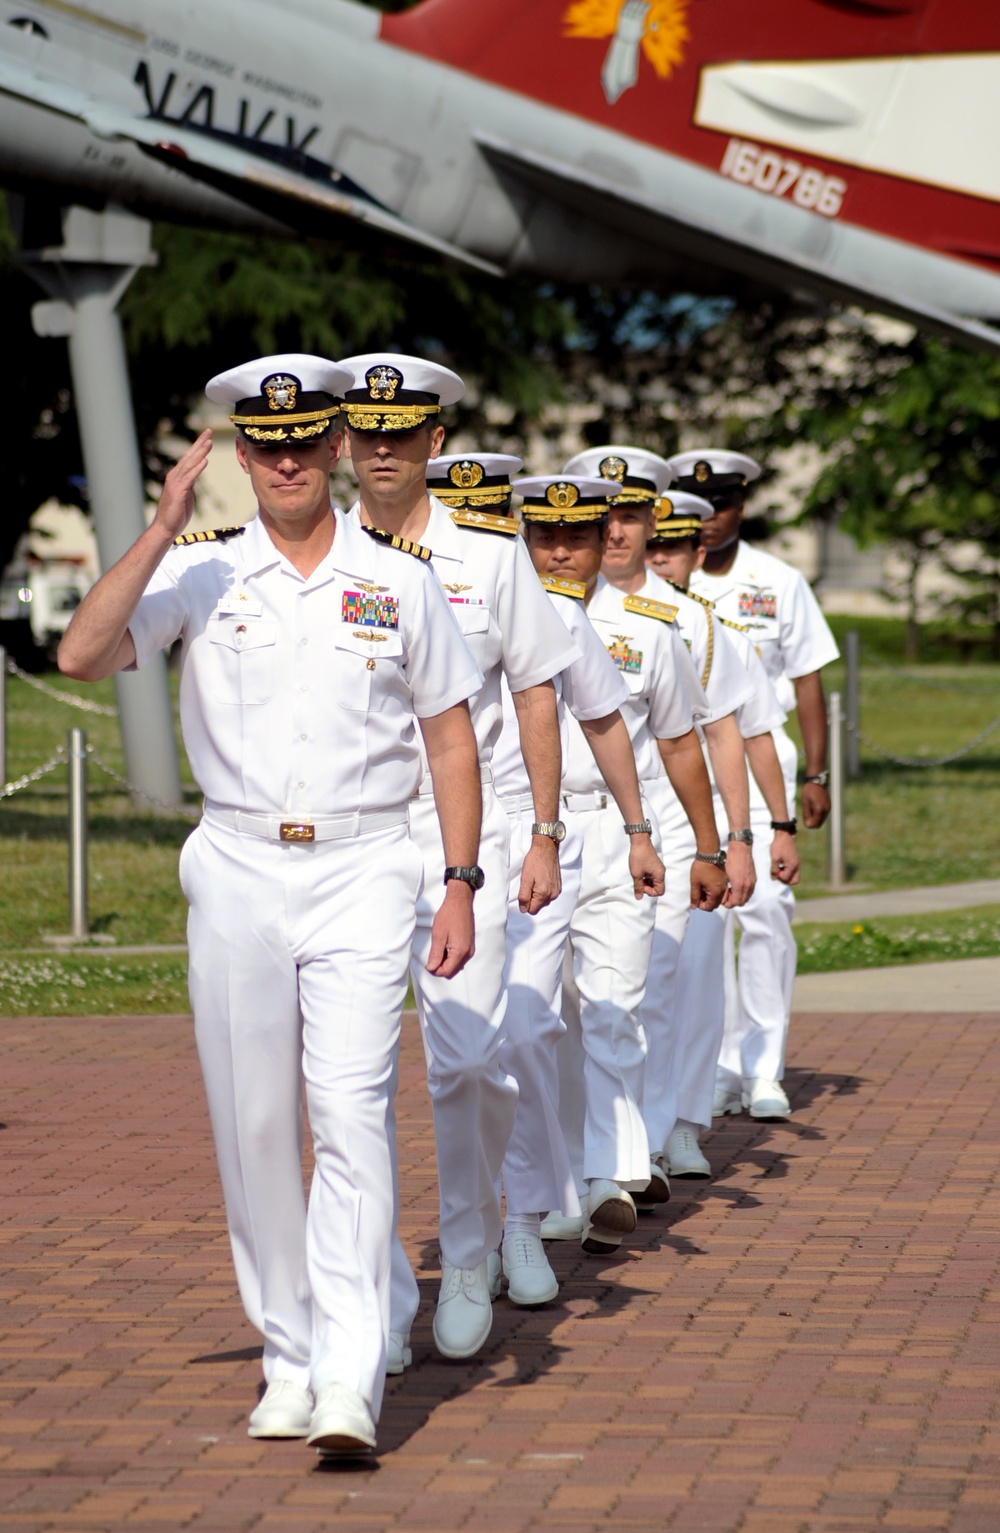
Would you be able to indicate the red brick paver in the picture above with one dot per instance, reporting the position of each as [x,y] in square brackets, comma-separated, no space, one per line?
[808,1345]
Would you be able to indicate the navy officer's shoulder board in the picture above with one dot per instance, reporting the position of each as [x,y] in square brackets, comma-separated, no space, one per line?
[216,535]
[557,586]
[393,540]
[485,521]
[645,606]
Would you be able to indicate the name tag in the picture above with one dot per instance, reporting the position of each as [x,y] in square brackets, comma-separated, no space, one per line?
[367,610]
[240,604]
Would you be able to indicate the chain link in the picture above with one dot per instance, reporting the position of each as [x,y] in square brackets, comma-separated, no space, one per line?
[9,789]
[171,809]
[83,703]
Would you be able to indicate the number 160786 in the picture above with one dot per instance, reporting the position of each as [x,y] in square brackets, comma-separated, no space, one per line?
[772,172]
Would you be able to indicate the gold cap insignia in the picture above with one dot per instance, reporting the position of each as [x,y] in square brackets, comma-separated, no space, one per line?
[613,468]
[562,495]
[466,475]
[383,381]
[702,472]
[282,391]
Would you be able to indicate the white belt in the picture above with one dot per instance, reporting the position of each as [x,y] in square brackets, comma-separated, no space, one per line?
[517,803]
[313,827]
[426,788]
[579,802]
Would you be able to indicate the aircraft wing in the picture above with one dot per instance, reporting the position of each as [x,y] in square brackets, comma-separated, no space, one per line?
[319,200]
[701,241]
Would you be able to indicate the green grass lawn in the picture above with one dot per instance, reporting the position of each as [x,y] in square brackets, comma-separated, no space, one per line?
[973,933]
[906,826]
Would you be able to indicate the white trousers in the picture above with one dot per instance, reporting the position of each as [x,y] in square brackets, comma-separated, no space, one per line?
[473,1099]
[298,961]
[602,1057]
[663,1022]
[536,1170]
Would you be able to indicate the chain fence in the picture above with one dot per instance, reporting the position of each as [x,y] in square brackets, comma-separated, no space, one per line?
[58,758]
[83,703]
[901,673]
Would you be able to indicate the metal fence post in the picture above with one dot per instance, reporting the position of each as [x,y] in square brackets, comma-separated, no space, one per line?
[837,859]
[77,752]
[3,715]
[852,657]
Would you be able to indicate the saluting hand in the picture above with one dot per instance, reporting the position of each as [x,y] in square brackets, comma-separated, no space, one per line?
[177,499]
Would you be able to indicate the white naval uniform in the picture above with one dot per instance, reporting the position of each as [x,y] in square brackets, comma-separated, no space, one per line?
[702,969]
[536,1170]
[513,630]
[727,688]
[299,700]
[601,1060]
[776,604]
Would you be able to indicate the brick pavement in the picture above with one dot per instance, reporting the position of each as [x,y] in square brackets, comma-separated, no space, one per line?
[809,1345]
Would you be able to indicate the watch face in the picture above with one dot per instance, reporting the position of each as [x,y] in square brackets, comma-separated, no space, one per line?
[559,834]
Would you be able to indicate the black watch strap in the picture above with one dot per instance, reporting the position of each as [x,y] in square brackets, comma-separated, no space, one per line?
[474,877]
[790,825]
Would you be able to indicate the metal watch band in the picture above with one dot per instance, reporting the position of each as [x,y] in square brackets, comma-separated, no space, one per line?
[554,829]
[642,828]
[717,859]
[790,825]
[746,836]
[820,778]
[474,877]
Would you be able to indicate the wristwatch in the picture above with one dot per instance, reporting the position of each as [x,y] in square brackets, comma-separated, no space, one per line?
[746,836]
[640,828]
[820,778]
[553,828]
[790,825]
[717,859]
[474,877]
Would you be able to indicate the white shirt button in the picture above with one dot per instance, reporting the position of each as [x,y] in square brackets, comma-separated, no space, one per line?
[303,737]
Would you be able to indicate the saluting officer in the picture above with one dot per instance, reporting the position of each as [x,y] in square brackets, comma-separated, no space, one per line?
[776,604]
[392,408]
[315,659]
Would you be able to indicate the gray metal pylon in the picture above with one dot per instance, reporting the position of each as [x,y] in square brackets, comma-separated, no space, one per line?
[85,277]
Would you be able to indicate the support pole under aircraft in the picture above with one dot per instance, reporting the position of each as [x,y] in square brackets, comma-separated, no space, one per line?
[85,276]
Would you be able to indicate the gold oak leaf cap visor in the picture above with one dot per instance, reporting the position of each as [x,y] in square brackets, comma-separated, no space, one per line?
[678,515]
[473,480]
[290,397]
[713,472]
[640,475]
[565,498]
[392,392]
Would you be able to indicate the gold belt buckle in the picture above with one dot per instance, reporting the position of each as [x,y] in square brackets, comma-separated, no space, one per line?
[295,830]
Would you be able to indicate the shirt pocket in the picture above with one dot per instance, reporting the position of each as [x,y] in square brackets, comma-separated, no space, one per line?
[240,661]
[474,622]
[367,666]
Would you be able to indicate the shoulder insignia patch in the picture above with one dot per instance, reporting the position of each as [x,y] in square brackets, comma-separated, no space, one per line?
[219,535]
[559,587]
[393,540]
[485,521]
[646,607]
[728,623]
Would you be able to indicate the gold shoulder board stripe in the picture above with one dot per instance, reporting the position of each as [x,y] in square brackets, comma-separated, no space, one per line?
[728,623]
[393,540]
[218,535]
[560,587]
[646,607]
[484,521]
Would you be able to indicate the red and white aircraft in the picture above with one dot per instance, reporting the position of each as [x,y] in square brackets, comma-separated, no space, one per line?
[845,149]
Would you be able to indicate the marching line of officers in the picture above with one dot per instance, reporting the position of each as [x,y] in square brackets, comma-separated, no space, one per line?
[506,761]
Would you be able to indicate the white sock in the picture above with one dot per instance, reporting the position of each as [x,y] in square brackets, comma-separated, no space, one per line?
[522,1224]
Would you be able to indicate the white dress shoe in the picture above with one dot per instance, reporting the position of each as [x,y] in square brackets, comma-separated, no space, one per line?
[560,1226]
[656,1191]
[610,1213]
[493,1274]
[464,1315]
[765,1099]
[530,1279]
[398,1354]
[284,1410]
[341,1425]
[682,1154]
[726,1100]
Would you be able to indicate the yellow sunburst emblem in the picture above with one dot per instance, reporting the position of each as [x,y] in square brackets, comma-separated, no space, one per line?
[659,27]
